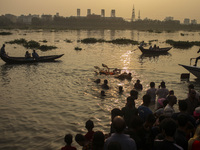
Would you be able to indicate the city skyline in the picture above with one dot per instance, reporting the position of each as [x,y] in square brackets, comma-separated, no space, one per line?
[152,9]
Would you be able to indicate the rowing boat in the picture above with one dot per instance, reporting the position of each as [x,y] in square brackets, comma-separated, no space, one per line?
[154,50]
[23,60]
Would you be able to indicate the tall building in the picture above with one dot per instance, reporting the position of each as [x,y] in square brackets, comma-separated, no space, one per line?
[102,12]
[186,21]
[113,13]
[88,12]
[78,12]
[194,21]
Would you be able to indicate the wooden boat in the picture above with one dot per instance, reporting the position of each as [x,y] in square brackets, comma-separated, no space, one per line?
[154,51]
[22,60]
[192,69]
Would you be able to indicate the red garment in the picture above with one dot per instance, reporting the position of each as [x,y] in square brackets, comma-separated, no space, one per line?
[89,135]
[196,145]
[67,147]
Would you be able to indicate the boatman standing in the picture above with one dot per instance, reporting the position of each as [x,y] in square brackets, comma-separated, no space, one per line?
[3,52]
[197,58]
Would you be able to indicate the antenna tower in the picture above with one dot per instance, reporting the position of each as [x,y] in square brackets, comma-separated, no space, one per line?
[133,14]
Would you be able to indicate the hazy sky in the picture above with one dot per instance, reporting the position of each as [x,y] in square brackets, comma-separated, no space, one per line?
[153,9]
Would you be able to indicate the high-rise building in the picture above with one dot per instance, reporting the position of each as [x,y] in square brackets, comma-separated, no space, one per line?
[102,12]
[78,12]
[113,13]
[88,12]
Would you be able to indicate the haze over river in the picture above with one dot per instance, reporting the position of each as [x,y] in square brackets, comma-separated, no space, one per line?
[40,103]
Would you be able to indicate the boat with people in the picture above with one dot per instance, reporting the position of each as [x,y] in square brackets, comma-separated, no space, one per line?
[107,70]
[153,50]
[23,60]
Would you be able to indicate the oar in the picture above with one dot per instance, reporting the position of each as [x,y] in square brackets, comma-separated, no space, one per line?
[105,66]
[134,49]
[96,67]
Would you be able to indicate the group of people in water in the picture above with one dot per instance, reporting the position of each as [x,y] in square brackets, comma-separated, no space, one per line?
[142,128]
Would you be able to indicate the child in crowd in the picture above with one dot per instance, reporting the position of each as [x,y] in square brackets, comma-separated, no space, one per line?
[68,141]
[89,125]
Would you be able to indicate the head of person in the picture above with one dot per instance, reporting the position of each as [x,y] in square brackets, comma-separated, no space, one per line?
[138,81]
[120,88]
[152,84]
[80,139]
[68,139]
[191,86]
[134,94]
[192,94]
[105,81]
[172,100]
[115,112]
[130,101]
[171,92]
[98,80]
[146,99]
[168,126]
[4,45]
[162,84]
[119,124]
[182,105]
[89,125]
[103,93]
[98,140]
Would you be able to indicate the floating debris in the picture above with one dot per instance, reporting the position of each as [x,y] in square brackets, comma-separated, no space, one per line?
[5,33]
[183,44]
[31,44]
[78,48]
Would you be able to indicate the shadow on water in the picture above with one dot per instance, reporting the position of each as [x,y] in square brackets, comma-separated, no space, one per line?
[154,55]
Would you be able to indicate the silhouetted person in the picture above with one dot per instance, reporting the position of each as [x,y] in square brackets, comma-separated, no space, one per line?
[89,125]
[105,85]
[68,141]
[152,92]
[80,139]
[124,140]
[197,58]
[121,89]
[3,52]
[138,85]
[98,141]
[35,55]
[168,127]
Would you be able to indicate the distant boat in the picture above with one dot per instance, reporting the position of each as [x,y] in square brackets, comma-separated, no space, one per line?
[23,60]
[154,50]
[192,69]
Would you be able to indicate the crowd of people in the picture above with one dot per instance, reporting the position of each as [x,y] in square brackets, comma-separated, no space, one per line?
[141,128]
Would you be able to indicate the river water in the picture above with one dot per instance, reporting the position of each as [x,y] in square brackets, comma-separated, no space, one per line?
[40,103]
